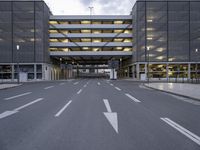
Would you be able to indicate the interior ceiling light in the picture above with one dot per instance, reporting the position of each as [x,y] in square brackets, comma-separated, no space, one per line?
[127,49]
[119,48]
[85,48]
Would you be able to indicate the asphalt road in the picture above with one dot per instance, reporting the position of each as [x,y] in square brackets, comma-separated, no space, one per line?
[96,114]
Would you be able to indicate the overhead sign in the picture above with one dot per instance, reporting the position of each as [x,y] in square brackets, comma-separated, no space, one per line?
[113,64]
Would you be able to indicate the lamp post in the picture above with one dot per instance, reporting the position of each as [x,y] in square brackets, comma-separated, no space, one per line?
[196,73]
[17,47]
[148,49]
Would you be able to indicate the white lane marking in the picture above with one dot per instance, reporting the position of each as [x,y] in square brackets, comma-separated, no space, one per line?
[28,104]
[7,113]
[16,110]
[99,83]
[49,87]
[79,91]
[181,129]
[76,83]
[118,88]
[85,86]
[111,116]
[62,83]
[133,98]
[60,112]
[111,84]
[107,105]
[20,95]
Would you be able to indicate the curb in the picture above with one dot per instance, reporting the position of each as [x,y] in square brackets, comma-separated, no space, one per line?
[172,93]
[10,87]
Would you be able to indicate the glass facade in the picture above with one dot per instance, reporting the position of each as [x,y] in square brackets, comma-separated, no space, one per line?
[166,31]
[24,23]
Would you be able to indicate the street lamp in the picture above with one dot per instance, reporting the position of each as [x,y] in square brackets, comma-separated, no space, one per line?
[18,47]
[148,49]
[196,72]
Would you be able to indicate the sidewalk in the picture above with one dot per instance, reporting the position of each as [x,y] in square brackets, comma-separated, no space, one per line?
[6,86]
[183,89]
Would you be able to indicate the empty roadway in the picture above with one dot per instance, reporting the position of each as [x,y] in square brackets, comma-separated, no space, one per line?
[96,114]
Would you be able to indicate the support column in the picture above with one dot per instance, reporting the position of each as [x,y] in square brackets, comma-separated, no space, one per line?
[167,72]
[146,70]
[189,71]
[13,72]
[138,71]
[35,72]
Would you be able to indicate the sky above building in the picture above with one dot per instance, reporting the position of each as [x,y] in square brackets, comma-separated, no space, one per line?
[81,7]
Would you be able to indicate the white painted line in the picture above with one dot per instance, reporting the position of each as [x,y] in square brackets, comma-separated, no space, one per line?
[107,105]
[60,112]
[79,91]
[16,110]
[76,83]
[182,130]
[20,95]
[49,87]
[118,88]
[62,83]
[85,86]
[99,83]
[7,113]
[28,104]
[133,98]
[111,84]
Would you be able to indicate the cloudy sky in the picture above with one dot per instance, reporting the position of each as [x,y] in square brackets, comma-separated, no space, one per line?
[80,7]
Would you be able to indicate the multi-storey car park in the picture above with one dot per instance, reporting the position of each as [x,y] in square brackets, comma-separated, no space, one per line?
[160,39]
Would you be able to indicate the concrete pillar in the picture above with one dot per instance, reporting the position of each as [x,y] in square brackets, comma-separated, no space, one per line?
[146,70]
[35,72]
[167,72]
[13,72]
[189,71]
[138,71]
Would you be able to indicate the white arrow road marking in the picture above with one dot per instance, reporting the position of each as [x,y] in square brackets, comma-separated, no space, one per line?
[181,129]
[16,110]
[99,83]
[76,83]
[49,87]
[118,88]
[132,98]
[111,116]
[20,95]
[79,91]
[60,112]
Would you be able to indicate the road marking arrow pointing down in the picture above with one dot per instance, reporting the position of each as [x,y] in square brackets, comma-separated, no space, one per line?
[111,116]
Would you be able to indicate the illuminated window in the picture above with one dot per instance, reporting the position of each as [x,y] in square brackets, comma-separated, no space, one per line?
[53,31]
